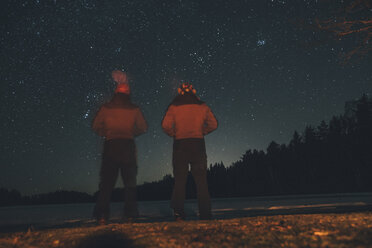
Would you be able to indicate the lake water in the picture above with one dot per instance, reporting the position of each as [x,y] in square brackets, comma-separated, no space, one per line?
[160,211]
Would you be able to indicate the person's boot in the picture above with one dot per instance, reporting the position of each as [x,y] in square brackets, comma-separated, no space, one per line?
[205,217]
[179,215]
[101,221]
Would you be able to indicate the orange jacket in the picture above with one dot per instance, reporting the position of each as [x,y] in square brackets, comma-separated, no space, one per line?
[118,121]
[188,121]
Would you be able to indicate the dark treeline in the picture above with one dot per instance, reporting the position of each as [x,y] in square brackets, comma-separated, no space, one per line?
[13,197]
[329,158]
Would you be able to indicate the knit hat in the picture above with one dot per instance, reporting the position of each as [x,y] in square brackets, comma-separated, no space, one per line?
[122,80]
[186,88]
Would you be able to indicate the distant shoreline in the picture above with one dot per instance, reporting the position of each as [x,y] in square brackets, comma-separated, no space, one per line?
[263,197]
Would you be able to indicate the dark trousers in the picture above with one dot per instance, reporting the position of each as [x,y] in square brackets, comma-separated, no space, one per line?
[185,152]
[118,155]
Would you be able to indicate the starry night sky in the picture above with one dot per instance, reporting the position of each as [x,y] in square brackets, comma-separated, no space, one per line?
[259,65]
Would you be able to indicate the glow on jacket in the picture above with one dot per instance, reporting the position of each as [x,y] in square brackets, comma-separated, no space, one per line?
[189,121]
[116,123]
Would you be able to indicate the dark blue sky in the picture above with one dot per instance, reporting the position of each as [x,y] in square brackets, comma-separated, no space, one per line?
[259,65]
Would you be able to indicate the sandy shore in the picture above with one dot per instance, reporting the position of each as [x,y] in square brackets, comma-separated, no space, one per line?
[301,230]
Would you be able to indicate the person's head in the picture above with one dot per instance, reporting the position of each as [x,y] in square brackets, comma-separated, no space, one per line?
[186,89]
[186,95]
[121,79]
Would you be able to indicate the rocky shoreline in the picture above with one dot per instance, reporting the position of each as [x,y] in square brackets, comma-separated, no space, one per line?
[302,230]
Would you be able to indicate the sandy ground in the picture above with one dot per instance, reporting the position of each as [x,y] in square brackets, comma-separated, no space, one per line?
[292,230]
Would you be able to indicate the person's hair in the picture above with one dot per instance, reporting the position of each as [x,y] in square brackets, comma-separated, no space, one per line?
[188,98]
[120,100]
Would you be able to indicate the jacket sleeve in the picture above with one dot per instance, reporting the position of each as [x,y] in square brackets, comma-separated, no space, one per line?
[168,122]
[98,124]
[140,124]
[210,123]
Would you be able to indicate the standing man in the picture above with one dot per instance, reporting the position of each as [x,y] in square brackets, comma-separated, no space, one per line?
[118,121]
[188,120]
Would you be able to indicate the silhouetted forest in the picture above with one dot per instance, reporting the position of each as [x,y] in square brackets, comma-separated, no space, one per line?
[13,197]
[328,158]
